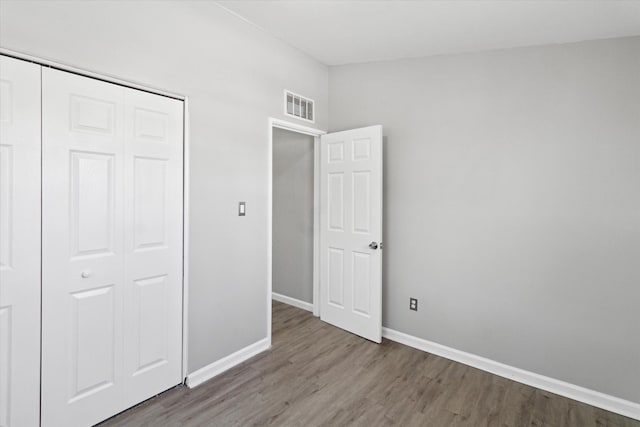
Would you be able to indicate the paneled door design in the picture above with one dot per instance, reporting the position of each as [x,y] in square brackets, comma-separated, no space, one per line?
[153,152]
[351,231]
[19,243]
[112,247]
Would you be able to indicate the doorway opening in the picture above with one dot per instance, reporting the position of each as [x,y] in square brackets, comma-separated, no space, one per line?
[294,216]
[345,251]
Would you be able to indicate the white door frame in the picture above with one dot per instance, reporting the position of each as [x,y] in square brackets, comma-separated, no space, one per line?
[186,144]
[316,133]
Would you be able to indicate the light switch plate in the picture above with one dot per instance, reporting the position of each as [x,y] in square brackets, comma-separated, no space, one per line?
[242,209]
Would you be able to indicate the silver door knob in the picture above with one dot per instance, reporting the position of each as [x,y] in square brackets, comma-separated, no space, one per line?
[85,274]
[373,245]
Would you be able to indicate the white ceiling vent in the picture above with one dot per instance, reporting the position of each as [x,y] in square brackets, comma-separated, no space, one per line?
[298,106]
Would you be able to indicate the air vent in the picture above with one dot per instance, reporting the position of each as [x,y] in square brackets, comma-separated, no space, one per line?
[298,106]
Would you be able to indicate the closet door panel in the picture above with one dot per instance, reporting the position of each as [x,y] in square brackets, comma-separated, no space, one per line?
[112,247]
[19,242]
[153,243]
[83,257]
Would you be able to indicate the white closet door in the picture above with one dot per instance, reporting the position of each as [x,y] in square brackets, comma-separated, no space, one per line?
[153,244]
[112,248]
[82,249]
[19,243]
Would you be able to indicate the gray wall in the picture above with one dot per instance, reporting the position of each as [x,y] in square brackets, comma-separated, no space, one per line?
[512,203]
[293,214]
[234,75]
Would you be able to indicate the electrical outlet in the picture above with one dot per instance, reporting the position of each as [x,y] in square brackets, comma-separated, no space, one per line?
[413,304]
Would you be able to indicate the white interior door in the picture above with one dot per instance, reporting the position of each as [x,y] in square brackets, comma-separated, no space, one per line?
[19,243]
[112,248]
[351,231]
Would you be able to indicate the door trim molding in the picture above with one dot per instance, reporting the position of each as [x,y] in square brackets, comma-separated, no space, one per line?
[186,202]
[562,388]
[88,73]
[316,133]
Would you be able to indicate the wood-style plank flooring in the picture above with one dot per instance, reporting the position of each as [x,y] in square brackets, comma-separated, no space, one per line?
[319,375]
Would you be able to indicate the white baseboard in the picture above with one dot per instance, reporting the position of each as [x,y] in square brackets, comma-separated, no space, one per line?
[216,368]
[572,391]
[292,301]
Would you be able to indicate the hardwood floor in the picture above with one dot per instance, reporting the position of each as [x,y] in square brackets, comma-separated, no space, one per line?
[318,375]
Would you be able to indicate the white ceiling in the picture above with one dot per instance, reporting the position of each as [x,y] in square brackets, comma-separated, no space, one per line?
[344,32]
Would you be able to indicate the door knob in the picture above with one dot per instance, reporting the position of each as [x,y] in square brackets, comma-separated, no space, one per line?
[85,274]
[373,245]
